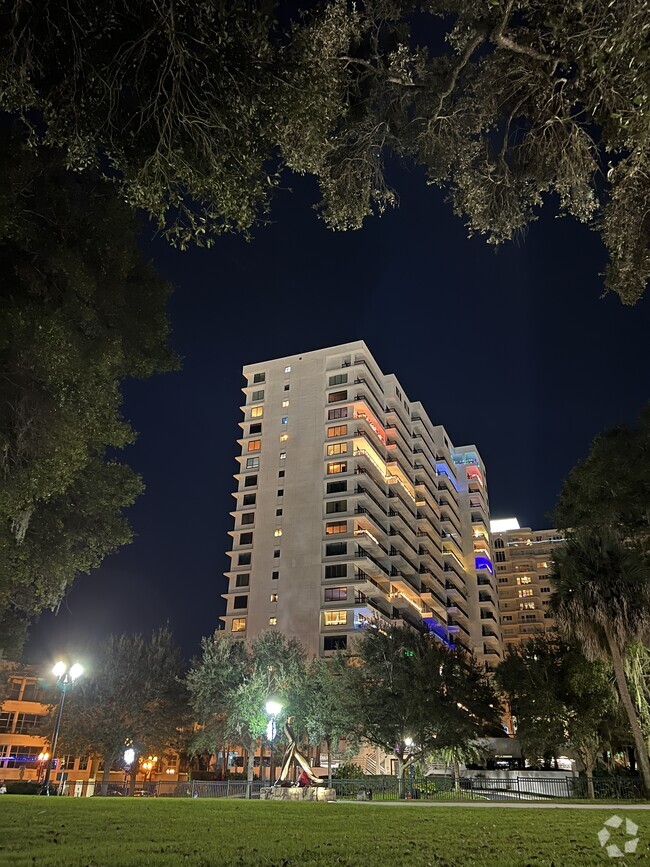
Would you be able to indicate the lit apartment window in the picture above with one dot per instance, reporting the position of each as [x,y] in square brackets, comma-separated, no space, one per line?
[257,412]
[336,570]
[528,592]
[336,396]
[285,419]
[252,463]
[285,404]
[526,605]
[250,481]
[274,597]
[277,532]
[284,438]
[333,414]
[287,369]
[259,377]
[338,379]
[258,395]
[243,580]
[524,579]
[336,506]
[335,528]
[337,449]
[273,621]
[254,445]
[283,456]
[336,618]
[239,624]
[339,467]
[336,594]
[340,430]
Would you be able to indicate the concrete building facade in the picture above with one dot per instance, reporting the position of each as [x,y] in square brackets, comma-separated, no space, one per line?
[523,562]
[352,507]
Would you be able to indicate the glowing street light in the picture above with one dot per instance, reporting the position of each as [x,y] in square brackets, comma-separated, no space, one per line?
[129,756]
[65,677]
[273,708]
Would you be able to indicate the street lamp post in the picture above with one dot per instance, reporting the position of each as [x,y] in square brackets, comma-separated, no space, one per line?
[273,708]
[408,742]
[65,677]
[42,758]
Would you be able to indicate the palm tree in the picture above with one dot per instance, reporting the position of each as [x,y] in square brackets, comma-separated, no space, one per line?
[602,599]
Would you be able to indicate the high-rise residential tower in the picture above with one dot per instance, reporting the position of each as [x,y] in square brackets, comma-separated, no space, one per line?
[352,507]
[523,562]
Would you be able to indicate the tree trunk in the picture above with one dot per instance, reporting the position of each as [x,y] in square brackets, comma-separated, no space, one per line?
[456,766]
[590,783]
[106,775]
[251,768]
[637,734]
[329,762]
[401,770]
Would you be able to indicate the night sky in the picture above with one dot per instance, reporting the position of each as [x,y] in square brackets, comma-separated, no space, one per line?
[512,350]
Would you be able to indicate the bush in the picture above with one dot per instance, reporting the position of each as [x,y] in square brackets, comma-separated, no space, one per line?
[23,787]
[348,771]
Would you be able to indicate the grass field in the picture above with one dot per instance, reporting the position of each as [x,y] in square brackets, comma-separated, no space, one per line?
[115,832]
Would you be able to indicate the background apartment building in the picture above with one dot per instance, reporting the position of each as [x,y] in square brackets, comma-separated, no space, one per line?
[352,507]
[523,563]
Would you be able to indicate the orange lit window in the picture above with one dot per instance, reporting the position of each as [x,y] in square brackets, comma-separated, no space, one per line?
[239,624]
[341,467]
[337,449]
[336,618]
[257,412]
[284,438]
[338,527]
[339,430]
[254,445]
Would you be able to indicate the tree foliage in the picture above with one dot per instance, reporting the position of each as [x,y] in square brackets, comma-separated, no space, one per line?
[412,696]
[559,699]
[79,312]
[601,599]
[611,486]
[131,694]
[232,681]
[197,107]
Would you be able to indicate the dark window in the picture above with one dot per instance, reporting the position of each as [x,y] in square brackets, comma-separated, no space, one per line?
[337,570]
[286,387]
[243,580]
[336,506]
[245,538]
[280,492]
[32,691]
[240,602]
[258,395]
[259,377]
[500,556]
[336,396]
[255,428]
[6,721]
[248,518]
[336,594]
[337,487]
[333,549]
[281,474]
[342,412]
[14,689]
[250,481]
[278,512]
[335,642]
[244,559]
[498,543]
[249,499]
[276,553]
[25,722]
[83,763]
[338,379]
[275,575]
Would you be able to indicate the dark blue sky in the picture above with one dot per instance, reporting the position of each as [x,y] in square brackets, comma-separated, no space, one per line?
[513,350]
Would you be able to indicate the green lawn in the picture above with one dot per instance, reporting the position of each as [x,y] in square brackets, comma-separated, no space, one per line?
[112,832]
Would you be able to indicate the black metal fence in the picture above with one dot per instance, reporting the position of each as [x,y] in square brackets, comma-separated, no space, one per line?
[166,789]
[444,788]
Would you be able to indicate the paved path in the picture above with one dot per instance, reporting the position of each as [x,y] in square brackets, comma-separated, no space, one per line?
[508,805]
